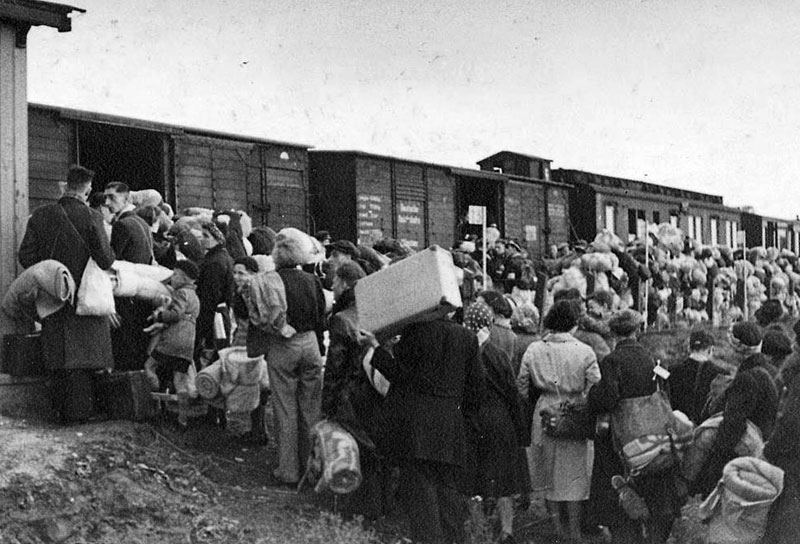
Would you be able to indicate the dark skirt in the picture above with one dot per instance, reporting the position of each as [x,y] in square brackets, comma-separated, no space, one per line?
[72,341]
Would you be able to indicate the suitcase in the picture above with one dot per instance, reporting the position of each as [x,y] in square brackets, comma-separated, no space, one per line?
[23,355]
[422,287]
[126,395]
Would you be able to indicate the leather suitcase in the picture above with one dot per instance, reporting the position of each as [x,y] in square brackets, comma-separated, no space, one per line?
[126,395]
[422,287]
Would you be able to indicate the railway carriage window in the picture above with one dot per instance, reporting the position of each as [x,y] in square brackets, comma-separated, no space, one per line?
[656,217]
[673,219]
[714,233]
[611,218]
[690,229]
[698,228]
[734,233]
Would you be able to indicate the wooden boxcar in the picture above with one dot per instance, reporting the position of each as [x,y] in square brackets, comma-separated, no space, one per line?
[364,197]
[190,167]
[626,206]
[770,231]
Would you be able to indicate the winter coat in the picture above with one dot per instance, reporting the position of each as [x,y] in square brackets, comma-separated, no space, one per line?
[435,378]
[177,339]
[214,286]
[688,391]
[131,238]
[592,332]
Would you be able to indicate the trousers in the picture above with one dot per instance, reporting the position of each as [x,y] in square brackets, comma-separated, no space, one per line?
[436,509]
[295,378]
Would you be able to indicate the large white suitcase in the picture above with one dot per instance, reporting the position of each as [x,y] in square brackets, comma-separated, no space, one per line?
[422,287]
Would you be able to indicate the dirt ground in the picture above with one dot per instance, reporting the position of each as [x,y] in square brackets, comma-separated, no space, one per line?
[123,482]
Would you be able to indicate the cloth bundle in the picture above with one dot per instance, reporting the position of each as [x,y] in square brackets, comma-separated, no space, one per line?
[266,304]
[736,511]
[335,458]
[236,377]
[751,445]
[39,291]
[143,281]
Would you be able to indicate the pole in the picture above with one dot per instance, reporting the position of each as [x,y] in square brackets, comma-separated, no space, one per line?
[647,281]
[483,238]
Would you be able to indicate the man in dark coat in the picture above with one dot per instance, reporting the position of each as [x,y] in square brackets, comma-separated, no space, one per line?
[435,377]
[131,241]
[690,380]
[70,232]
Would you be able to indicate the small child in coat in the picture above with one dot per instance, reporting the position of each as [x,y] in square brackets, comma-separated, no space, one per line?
[174,331]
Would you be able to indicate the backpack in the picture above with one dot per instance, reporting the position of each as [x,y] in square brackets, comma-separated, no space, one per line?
[715,400]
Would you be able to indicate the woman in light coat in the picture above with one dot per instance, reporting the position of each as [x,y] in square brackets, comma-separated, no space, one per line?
[559,368]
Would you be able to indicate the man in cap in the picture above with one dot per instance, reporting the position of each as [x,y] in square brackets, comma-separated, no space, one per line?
[71,232]
[690,380]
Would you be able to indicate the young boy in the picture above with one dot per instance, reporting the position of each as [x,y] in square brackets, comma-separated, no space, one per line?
[174,322]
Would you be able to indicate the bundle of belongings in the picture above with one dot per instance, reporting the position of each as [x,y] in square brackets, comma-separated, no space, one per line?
[142,281]
[236,377]
[650,437]
[334,464]
[750,445]
[39,291]
[736,511]
[266,304]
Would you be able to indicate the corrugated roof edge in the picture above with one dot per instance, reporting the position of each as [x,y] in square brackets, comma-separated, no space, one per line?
[156,126]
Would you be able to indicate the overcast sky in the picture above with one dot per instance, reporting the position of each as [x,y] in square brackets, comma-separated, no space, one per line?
[691,93]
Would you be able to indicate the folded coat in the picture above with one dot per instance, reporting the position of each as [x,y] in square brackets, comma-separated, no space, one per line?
[39,291]
[142,281]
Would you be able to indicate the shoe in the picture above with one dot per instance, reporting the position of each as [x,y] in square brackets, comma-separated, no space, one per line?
[631,502]
[507,538]
[275,481]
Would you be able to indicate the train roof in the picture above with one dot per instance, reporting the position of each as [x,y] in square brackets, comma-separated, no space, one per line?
[37,12]
[155,126]
[455,170]
[577,177]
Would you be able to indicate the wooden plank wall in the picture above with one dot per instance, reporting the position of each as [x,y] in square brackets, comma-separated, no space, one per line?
[441,208]
[410,204]
[558,212]
[373,200]
[50,144]
[524,215]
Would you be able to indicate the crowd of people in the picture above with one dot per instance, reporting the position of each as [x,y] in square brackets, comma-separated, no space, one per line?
[454,407]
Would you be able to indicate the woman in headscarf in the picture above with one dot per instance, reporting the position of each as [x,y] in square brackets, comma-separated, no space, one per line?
[501,429]
[560,368]
[215,285]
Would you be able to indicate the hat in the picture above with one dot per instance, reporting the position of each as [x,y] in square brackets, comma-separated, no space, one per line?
[478,316]
[769,311]
[345,247]
[625,322]
[745,337]
[700,340]
[776,344]
[188,268]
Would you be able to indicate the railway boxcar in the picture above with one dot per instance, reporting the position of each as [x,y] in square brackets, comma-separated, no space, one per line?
[626,206]
[364,197]
[190,167]
[770,231]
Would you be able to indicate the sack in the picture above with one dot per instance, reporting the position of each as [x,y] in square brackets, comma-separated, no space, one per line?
[96,294]
[335,462]
[648,434]
[750,445]
[568,420]
[736,511]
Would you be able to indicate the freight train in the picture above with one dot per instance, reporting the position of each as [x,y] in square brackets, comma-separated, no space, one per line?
[364,197]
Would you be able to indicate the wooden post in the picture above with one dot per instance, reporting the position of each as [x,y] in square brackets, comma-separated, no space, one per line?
[13,154]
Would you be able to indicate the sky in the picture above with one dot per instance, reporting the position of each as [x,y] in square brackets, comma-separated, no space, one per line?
[696,94]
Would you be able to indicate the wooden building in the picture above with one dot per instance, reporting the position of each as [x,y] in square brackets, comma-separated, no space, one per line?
[190,167]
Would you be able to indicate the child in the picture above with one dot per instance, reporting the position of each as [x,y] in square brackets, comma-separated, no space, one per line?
[174,325]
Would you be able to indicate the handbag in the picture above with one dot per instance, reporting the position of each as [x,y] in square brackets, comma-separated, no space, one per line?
[96,293]
[568,420]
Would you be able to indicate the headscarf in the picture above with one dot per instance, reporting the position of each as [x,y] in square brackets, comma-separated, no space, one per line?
[745,338]
[478,316]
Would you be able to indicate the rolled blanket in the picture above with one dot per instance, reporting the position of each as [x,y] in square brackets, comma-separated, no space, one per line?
[137,280]
[752,479]
[208,380]
[336,458]
[41,290]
